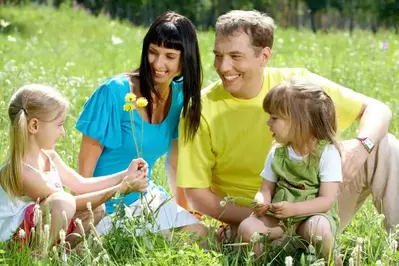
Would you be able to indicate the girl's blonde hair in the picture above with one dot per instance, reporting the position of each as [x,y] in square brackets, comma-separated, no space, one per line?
[30,101]
[307,107]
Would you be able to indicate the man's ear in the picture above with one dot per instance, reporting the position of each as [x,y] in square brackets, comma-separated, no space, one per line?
[266,53]
[33,125]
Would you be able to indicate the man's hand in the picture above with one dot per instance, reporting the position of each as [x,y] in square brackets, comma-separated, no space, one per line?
[260,209]
[283,209]
[354,156]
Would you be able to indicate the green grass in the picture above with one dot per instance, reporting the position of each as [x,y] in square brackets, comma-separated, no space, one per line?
[72,51]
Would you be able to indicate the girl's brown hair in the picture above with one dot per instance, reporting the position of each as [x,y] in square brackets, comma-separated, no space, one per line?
[307,107]
[30,101]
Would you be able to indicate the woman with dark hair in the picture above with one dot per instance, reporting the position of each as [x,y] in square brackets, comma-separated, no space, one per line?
[169,77]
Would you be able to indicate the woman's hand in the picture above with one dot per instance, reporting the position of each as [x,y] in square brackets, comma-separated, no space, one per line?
[136,177]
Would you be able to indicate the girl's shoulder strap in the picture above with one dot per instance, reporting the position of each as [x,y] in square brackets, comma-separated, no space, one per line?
[52,165]
[31,167]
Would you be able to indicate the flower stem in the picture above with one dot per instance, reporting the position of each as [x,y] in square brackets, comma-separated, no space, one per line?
[134,133]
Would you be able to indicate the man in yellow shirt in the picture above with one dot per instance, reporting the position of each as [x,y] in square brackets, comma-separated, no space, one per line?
[220,168]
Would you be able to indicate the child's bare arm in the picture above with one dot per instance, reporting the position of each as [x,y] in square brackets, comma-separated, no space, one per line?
[263,198]
[35,187]
[323,203]
[80,185]
[264,195]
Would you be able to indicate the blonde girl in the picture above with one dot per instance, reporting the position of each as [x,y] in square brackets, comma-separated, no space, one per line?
[34,172]
[302,173]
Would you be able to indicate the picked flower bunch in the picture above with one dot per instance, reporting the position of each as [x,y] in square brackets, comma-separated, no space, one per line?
[132,103]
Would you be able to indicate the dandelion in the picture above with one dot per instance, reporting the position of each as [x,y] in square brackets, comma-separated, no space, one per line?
[127,107]
[222,203]
[130,97]
[21,234]
[288,261]
[141,102]
[131,102]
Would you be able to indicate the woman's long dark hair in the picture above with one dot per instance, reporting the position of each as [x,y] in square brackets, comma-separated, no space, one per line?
[174,31]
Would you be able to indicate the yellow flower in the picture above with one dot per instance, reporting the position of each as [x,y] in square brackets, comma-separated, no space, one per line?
[141,102]
[128,107]
[130,97]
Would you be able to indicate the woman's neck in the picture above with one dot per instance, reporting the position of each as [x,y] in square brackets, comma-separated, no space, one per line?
[163,90]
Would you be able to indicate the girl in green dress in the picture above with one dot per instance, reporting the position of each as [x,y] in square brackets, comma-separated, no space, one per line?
[302,171]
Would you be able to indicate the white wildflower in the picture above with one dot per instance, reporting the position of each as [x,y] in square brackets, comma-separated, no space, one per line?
[11,39]
[394,245]
[116,40]
[21,233]
[256,237]
[4,23]
[181,252]
[62,236]
[222,203]
[128,213]
[106,257]
[288,261]
[312,249]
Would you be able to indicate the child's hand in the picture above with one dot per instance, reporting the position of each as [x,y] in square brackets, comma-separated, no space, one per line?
[283,209]
[136,179]
[260,209]
[137,166]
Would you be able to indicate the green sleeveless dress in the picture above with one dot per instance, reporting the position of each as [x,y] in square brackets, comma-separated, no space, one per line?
[299,181]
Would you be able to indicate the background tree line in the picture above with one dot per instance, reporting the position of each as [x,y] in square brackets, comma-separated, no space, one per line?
[317,14]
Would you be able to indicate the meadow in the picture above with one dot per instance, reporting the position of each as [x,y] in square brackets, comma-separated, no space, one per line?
[75,52]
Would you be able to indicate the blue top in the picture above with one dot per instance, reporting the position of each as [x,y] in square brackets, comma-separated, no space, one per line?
[104,119]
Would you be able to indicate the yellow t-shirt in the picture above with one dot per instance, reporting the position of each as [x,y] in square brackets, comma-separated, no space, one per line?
[233,140]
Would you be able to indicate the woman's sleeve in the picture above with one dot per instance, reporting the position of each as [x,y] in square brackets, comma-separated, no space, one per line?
[100,117]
